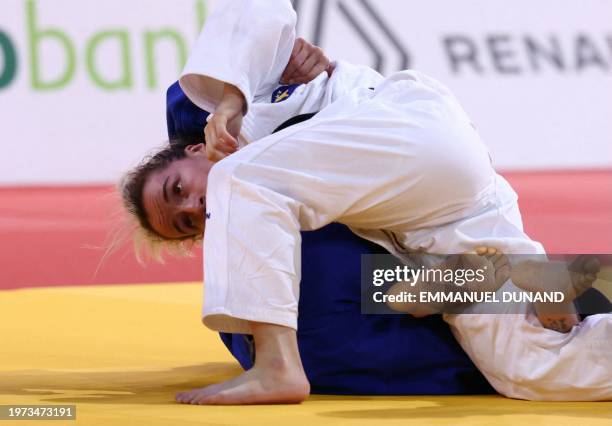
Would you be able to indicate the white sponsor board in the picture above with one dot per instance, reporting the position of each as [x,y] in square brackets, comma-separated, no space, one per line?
[82,83]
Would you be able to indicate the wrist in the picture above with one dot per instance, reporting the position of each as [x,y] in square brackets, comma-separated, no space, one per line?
[233,101]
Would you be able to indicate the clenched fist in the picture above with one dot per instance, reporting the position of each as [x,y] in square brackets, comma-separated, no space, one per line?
[306,63]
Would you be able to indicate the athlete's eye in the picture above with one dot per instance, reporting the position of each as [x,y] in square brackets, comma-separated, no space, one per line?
[178,188]
[188,222]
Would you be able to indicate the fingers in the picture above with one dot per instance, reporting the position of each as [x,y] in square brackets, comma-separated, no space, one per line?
[219,142]
[306,63]
[316,69]
[310,60]
[315,62]
[293,65]
[223,136]
[298,64]
[215,155]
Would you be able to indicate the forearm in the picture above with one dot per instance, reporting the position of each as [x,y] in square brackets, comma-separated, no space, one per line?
[232,101]
[223,127]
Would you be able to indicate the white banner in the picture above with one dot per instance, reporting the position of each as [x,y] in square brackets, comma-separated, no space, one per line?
[82,83]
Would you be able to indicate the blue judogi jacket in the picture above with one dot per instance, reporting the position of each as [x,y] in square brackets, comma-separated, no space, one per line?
[344,351]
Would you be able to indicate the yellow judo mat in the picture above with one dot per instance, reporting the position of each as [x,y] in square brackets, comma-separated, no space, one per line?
[120,353]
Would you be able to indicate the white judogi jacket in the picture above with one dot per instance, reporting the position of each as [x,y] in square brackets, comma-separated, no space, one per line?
[248,44]
[395,163]
[402,165]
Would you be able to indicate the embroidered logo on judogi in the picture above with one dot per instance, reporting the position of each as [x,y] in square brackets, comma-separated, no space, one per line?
[283,92]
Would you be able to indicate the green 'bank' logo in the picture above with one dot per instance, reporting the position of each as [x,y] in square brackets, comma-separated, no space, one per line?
[10,60]
[35,35]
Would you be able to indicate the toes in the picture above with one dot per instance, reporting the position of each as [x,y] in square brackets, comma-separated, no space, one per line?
[190,397]
[198,397]
[503,273]
[592,266]
[486,251]
[482,250]
[584,264]
[501,261]
[205,398]
[182,397]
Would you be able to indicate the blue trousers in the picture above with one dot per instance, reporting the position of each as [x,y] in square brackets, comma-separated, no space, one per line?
[345,352]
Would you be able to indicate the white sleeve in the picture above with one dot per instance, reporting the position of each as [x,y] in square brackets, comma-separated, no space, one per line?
[246,43]
[347,77]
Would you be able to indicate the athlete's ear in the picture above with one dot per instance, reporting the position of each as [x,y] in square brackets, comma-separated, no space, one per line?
[195,150]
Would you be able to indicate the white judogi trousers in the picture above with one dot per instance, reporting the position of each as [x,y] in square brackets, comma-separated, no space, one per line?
[402,166]
[404,159]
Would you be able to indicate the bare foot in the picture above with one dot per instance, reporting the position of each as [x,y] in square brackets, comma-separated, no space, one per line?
[497,271]
[416,309]
[563,323]
[583,271]
[276,378]
[254,386]
[572,280]
[500,265]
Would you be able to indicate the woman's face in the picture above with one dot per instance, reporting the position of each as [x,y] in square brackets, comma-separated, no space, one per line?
[174,198]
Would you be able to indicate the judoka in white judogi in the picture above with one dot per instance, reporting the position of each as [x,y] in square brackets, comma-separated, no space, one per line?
[401,165]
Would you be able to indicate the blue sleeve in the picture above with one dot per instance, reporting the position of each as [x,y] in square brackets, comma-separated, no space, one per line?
[184,119]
